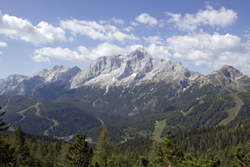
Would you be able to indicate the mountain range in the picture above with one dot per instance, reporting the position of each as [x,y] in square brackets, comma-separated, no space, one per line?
[128,71]
[123,89]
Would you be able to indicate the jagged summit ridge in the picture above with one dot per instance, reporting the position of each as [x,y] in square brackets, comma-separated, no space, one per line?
[24,85]
[133,69]
[231,72]
[140,49]
[227,72]
[130,70]
[228,77]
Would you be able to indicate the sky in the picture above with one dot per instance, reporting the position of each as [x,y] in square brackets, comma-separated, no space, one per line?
[203,35]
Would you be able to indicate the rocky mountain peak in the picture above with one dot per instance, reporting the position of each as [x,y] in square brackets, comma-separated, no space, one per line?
[56,69]
[141,49]
[139,54]
[230,72]
[59,68]
[104,65]
[76,69]
[179,63]
[41,73]
[137,68]
[16,77]
[228,78]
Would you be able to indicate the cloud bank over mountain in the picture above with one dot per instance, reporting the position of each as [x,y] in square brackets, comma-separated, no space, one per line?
[208,36]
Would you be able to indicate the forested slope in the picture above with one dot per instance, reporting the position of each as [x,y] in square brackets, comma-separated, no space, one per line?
[38,116]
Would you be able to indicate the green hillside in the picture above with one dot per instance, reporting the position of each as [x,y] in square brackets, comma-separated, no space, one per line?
[232,112]
[222,140]
[203,112]
[44,117]
[159,126]
[64,119]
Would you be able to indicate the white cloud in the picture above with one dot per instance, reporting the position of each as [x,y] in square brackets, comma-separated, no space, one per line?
[246,31]
[3,44]
[96,31]
[161,23]
[103,21]
[221,18]
[18,28]
[203,46]
[247,44]
[117,21]
[81,54]
[146,19]
[240,61]
[153,40]
[131,48]
[211,50]
[128,29]
[203,49]
[134,23]
[104,49]
[39,58]
[71,39]
[158,51]
[43,54]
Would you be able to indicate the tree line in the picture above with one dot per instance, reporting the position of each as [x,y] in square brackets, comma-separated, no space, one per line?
[17,150]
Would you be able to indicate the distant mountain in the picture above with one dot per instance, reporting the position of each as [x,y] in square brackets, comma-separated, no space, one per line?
[128,71]
[11,82]
[131,70]
[58,76]
[121,89]
[229,78]
[140,83]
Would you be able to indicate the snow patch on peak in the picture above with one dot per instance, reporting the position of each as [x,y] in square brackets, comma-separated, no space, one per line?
[133,75]
[136,68]
[140,49]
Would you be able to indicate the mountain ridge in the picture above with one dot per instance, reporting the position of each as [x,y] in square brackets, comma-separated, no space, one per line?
[123,89]
[128,71]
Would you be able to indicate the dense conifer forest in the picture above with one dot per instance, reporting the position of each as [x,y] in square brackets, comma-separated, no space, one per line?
[208,146]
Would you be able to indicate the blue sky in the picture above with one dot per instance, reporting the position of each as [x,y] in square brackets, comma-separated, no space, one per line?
[203,35]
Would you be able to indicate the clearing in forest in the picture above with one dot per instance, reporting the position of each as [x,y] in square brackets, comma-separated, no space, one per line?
[159,126]
[232,112]
[22,111]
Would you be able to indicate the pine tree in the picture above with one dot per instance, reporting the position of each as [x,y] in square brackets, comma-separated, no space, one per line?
[210,160]
[103,152]
[79,153]
[22,151]
[142,162]
[6,153]
[240,159]
[169,154]
[56,153]
[3,126]
[62,160]
[153,151]
[190,161]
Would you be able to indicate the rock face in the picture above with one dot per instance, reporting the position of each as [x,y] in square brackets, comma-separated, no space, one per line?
[11,82]
[133,69]
[226,71]
[228,77]
[23,85]
[126,71]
